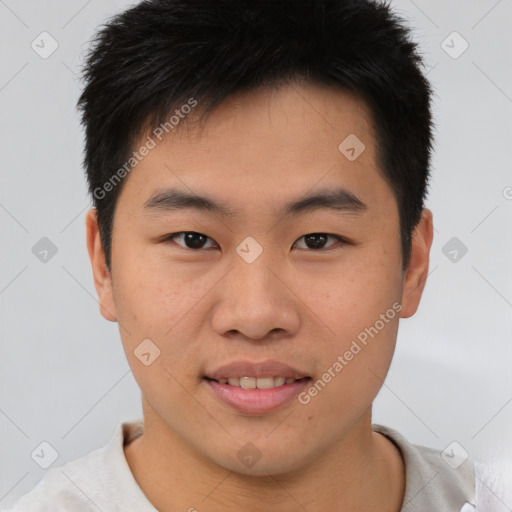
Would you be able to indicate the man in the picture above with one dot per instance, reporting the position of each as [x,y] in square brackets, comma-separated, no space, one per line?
[258,171]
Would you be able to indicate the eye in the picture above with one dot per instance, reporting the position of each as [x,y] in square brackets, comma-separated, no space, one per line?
[317,241]
[191,239]
[197,241]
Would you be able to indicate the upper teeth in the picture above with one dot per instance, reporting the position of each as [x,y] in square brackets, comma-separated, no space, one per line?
[253,382]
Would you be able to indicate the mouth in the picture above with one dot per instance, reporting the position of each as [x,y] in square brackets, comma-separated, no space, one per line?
[259,395]
[258,382]
[256,387]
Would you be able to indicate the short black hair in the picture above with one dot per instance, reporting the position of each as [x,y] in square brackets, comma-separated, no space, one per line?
[160,54]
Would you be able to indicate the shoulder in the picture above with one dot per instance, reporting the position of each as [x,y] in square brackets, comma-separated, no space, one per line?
[94,481]
[435,480]
[59,490]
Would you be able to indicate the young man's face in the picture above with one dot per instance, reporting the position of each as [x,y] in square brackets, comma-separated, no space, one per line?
[306,302]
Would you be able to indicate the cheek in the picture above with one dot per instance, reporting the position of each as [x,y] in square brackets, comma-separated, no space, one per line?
[147,308]
[353,370]
[360,304]
[355,293]
[161,308]
[155,297]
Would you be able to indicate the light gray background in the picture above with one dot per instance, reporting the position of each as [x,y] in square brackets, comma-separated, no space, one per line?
[64,376]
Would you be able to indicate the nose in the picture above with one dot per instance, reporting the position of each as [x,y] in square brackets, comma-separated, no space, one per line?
[255,302]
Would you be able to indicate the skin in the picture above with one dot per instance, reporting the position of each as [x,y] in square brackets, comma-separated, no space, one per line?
[294,303]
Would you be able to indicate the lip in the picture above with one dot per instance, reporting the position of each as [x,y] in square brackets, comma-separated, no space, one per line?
[257,401]
[268,368]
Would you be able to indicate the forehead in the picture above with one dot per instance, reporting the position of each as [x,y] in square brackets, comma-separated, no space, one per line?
[264,145]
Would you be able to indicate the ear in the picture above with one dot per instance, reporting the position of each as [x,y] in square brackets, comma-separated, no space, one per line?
[417,271]
[102,278]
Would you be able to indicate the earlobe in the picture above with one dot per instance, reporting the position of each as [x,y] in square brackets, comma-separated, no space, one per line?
[101,274]
[417,271]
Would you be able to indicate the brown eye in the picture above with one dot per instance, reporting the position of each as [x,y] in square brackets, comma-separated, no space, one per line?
[197,241]
[317,241]
[190,239]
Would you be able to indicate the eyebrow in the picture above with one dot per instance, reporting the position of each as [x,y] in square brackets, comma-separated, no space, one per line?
[337,200]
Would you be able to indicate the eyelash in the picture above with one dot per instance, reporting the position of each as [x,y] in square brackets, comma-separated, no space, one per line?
[341,240]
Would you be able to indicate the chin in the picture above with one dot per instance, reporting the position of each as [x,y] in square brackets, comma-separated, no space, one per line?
[251,461]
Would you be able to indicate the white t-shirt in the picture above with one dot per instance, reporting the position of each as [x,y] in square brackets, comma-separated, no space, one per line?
[102,480]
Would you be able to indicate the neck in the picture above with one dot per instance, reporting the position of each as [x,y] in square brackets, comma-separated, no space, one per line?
[363,471]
